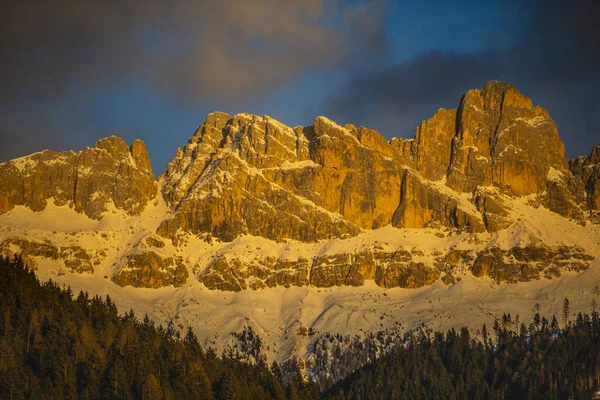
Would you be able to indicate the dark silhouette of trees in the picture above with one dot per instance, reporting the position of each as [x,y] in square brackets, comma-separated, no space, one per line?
[54,346]
[543,362]
[566,310]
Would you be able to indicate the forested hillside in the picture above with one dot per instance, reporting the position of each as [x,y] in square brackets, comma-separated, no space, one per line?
[57,346]
[539,361]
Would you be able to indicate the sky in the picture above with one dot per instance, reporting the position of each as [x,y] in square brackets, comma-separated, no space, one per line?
[74,72]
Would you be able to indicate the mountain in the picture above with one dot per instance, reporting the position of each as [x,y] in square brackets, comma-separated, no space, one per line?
[482,193]
[90,181]
[251,175]
[588,170]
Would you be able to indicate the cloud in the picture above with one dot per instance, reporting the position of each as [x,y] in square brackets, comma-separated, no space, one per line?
[58,56]
[193,49]
[395,98]
[553,58]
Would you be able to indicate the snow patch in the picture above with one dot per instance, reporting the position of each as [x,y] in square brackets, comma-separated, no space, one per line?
[535,122]
[555,175]
[24,163]
[299,165]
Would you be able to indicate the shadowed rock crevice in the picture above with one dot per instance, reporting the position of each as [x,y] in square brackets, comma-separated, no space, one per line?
[587,169]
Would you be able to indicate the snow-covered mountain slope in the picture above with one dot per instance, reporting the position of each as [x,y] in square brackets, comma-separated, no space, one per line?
[279,313]
[324,228]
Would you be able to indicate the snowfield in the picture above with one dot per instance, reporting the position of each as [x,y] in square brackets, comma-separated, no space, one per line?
[279,314]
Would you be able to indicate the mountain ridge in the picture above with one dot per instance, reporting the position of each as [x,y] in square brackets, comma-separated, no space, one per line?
[471,170]
[318,230]
[477,146]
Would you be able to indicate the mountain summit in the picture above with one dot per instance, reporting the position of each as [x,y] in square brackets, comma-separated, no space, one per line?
[246,174]
[250,202]
[92,180]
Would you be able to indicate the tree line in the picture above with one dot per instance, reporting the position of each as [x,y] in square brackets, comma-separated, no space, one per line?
[55,345]
[514,361]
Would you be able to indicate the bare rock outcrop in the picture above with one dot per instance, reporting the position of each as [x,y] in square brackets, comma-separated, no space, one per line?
[88,180]
[504,141]
[433,144]
[391,268]
[522,264]
[74,258]
[150,270]
[587,169]
[425,204]
[253,175]
[246,174]
[387,268]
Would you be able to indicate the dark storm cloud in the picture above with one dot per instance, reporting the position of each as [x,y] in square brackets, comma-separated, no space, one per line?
[196,48]
[67,52]
[394,99]
[554,58]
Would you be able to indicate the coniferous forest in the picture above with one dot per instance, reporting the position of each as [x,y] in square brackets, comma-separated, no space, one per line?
[57,345]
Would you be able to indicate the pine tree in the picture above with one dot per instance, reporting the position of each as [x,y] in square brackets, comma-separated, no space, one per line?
[484,335]
[227,389]
[554,328]
[151,389]
[566,310]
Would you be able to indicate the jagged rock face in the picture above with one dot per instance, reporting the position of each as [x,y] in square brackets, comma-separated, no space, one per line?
[150,270]
[253,175]
[432,144]
[588,170]
[494,212]
[454,258]
[425,205]
[496,139]
[522,264]
[246,174]
[75,258]
[565,195]
[399,270]
[360,174]
[387,268]
[88,180]
[504,141]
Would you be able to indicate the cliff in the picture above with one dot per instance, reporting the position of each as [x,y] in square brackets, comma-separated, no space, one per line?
[250,203]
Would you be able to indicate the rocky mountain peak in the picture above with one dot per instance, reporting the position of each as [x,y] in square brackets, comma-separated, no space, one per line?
[90,181]
[594,157]
[497,94]
[238,171]
[140,155]
[587,169]
[114,145]
[318,205]
[503,141]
